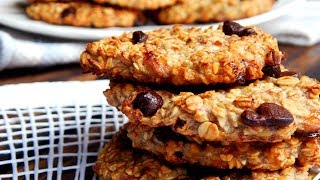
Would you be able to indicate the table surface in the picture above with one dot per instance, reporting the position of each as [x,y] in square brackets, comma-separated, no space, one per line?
[305,60]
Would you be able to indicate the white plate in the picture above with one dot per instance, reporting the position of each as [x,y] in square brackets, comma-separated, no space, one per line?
[12,15]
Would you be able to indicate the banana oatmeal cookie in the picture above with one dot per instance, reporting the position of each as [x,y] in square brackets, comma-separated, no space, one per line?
[177,149]
[183,56]
[118,160]
[139,4]
[191,11]
[83,14]
[268,110]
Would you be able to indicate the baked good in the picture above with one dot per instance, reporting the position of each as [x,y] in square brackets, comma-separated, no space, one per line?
[139,4]
[268,110]
[182,56]
[177,149]
[118,160]
[83,14]
[191,11]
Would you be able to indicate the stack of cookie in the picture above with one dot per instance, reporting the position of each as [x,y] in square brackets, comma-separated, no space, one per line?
[127,13]
[206,103]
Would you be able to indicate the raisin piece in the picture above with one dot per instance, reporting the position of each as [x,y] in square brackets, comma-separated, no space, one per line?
[230,27]
[272,71]
[268,115]
[148,102]
[139,37]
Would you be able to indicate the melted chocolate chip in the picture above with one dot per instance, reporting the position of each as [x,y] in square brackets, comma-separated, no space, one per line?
[268,115]
[139,37]
[68,11]
[290,73]
[148,102]
[272,71]
[230,27]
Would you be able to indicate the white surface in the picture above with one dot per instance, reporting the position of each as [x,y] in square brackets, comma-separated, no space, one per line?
[52,93]
[301,27]
[12,15]
[21,50]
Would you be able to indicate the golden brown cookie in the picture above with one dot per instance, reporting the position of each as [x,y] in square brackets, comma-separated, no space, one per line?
[269,110]
[183,56]
[191,11]
[139,4]
[118,160]
[83,14]
[177,149]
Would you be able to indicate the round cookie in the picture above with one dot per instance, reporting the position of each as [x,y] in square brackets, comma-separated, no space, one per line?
[139,4]
[118,160]
[177,149]
[183,56]
[191,11]
[227,115]
[83,14]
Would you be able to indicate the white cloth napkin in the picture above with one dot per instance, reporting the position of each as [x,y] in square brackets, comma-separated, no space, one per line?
[19,49]
[300,27]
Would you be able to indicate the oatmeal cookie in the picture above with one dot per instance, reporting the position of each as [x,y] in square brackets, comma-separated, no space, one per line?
[183,56]
[191,11]
[269,110]
[83,14]
[118,160]
[177,149]
[139,4]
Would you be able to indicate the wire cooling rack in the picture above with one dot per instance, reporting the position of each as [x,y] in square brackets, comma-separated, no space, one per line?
[54,141]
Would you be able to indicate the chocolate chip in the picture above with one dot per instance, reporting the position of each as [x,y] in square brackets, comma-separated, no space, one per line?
[272,71]
[148,102]
[68,11]
[139,37]
[290,73]
[268,115]
[230,27]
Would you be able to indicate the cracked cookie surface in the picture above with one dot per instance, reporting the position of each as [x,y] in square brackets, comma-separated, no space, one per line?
[216,115]
[182,56]
[83,14]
